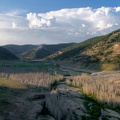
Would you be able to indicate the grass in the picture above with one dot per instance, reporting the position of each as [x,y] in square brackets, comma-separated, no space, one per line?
[11,84]
[33,66]
[91,104]
[23,64]
[104,88]
[94,106]
[109,67]
[93,97]
[80,87]
[95,101]
[92,109]
[7,85]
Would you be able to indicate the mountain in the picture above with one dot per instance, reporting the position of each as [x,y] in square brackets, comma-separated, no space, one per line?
[6,55]
[98,53]
[17,49]
[43,51]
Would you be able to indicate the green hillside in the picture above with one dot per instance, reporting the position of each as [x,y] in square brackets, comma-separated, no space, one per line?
[6,55]
[43,51]
[17,49]
[103,51]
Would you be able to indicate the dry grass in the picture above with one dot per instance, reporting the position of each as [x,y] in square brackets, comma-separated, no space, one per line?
[38,79]
[105,88]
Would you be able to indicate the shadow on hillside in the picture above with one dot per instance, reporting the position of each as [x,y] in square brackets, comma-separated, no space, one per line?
[83,61]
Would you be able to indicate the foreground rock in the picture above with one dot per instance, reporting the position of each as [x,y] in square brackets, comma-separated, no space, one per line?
[83,108]
[2,118]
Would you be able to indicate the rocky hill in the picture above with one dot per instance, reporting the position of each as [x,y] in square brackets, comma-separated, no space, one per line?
[98,53]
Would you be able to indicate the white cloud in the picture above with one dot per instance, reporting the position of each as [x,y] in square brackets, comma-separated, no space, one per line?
[83,25]
[14,25]
[16,12]
[37,21]
[65,25]
[99,19]
[117,9]
[7,21]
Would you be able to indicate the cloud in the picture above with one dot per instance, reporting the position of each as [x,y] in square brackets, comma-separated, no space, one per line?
[65,25]
[7,21]
[15,12]
[117,9]
[37,21]
[14,25]
[97,19]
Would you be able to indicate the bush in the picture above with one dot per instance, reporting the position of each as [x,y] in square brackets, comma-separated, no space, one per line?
[107,53]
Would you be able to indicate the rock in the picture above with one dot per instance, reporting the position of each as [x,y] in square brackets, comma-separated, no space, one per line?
[11,113]
[39,96]
[45,117]
[108,112]
[37,108]
[36,96]
[69,91]
[33,86]
[2,118]
[74,99]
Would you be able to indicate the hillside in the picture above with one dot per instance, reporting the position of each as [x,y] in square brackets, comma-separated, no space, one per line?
[98,53]
[17,49]
[43,51]
[6,55]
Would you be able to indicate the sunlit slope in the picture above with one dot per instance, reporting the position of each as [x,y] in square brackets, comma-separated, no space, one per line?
[102,51]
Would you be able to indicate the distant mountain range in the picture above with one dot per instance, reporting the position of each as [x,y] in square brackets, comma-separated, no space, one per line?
[43,51]
[17,49]
[98,53]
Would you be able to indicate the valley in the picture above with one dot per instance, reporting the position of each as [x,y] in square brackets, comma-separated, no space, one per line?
[46,91]
[74,81]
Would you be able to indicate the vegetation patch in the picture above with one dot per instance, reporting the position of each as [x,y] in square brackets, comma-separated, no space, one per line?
[93,109]
[109,67]
[105,90]
[11,84]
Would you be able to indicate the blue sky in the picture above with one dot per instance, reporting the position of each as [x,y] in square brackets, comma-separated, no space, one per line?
[56,21]
[52,5]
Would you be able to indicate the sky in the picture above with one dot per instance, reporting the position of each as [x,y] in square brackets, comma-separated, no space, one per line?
[56,21]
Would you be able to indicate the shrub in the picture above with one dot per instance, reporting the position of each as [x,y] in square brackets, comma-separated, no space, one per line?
[107,53]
